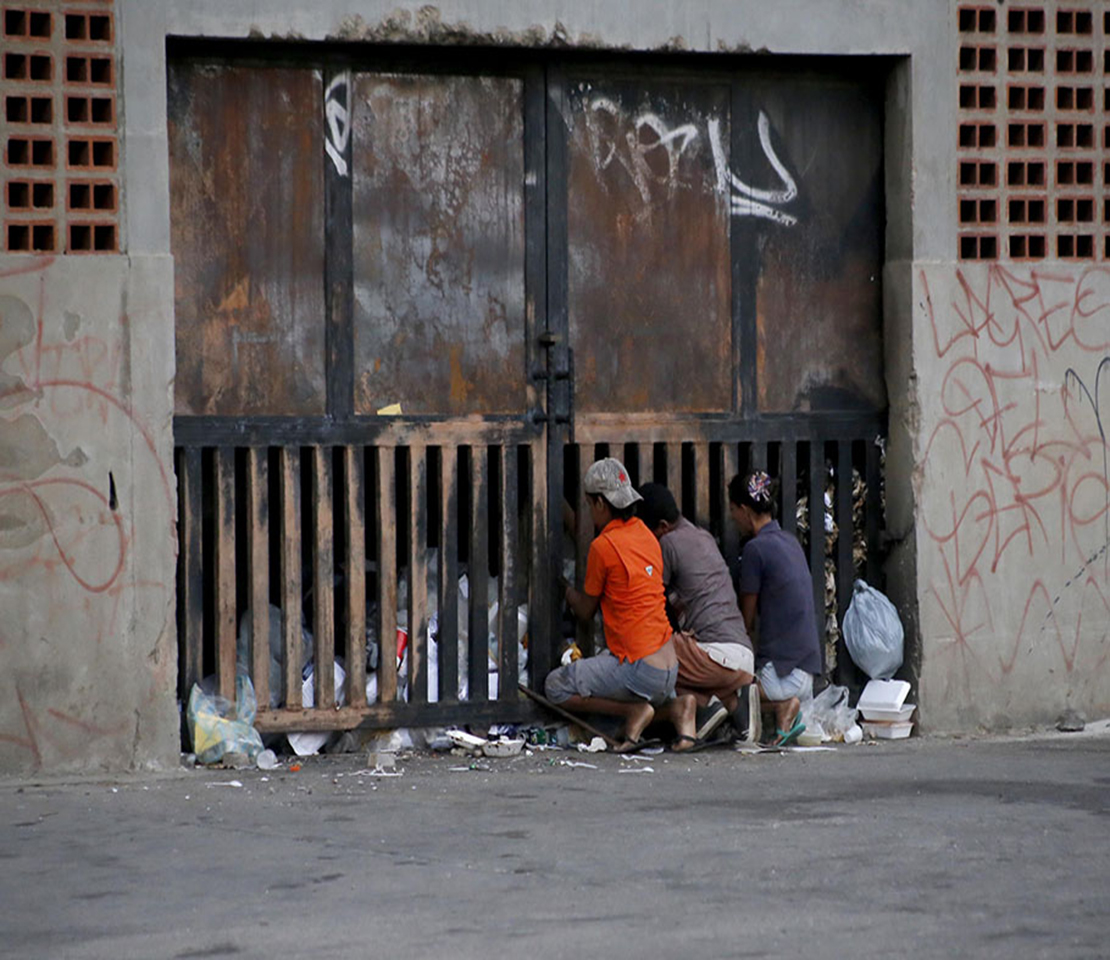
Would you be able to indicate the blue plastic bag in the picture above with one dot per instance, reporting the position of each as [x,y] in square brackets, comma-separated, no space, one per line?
[873,632]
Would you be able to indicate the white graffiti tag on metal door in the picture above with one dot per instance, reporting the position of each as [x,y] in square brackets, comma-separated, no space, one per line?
[649,150]
[337,99]
[746,200]
[646,134]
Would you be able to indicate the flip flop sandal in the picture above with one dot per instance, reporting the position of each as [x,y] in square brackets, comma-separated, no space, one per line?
[695,743]
[787,738]
[632,746]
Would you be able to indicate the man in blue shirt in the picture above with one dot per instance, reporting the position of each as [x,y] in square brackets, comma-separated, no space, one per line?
[775,584]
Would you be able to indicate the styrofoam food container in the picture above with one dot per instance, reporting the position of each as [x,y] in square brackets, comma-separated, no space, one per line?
[883,695]
[502,748]
[888,730]
[901,714]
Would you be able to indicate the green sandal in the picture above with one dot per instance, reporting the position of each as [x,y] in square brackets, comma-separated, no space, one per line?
[787,738]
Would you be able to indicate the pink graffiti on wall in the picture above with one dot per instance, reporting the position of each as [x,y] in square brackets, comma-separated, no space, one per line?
[1017,466]
[86,536]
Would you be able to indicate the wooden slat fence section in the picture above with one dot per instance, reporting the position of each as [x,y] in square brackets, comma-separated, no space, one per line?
[701,484]
[418,574]
[258,572]
[323,579]
[817,534]
[584,533]
[290,567]
[448,575]
[508,663]
[190,597]
[788,479]
[674,472]
[730,535]
[354,562]
[224,512]
[385,529]
[478,577]
[873,510]
[355,501]
[844,566]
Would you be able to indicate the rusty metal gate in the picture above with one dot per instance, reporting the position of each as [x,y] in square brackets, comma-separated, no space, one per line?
[417,294]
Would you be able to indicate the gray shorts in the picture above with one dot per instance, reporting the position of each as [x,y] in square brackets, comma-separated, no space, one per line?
[606,676]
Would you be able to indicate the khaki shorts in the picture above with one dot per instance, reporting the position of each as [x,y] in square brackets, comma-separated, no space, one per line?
[704,677]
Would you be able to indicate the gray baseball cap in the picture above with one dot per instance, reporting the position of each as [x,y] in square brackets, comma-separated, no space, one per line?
[609,479]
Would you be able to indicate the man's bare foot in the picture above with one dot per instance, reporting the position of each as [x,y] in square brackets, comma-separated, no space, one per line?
[682,712]
[786,712]
[636,721]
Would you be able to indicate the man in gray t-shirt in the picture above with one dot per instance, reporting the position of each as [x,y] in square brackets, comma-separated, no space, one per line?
[715,655]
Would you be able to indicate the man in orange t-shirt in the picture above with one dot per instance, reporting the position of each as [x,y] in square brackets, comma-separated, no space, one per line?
[635,677]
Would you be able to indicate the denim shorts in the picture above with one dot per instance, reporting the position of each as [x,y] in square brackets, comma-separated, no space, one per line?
[608,677]
[797,683]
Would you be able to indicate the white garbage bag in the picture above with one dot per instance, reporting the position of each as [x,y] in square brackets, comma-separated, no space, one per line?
[873,632]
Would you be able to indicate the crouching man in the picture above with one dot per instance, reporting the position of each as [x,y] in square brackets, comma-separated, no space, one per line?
[716,661]
[635,677]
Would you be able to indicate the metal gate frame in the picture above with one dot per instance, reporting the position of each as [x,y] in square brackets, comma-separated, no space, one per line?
[242,479]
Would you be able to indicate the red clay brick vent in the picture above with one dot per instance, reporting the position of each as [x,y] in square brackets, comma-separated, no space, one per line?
[60,170]
[1033,140]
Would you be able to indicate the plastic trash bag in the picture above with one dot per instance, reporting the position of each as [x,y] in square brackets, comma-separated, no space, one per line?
[829,712]
[309,743]
[218,727]
[873,632]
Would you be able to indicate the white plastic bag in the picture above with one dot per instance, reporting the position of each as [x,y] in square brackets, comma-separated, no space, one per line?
[873,632]
[829,713]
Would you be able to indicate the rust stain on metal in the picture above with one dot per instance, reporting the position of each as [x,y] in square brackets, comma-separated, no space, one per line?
[246,195]
[438,195]
[819,290]
[648,237]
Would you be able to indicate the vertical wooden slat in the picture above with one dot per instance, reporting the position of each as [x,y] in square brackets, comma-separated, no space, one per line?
[788,479]
[873,513]
[701,484]
[323,570]
[508,662]
[758,456]
[191,602]
[354,505]
[583,536]
[647,462]
[258,570]
[541,587]
[448,636]
[385,523]
[730,539]
[846,672]
[674,472]
[817,536]
[478,657]
[225,572]
[418,573]
[290,482]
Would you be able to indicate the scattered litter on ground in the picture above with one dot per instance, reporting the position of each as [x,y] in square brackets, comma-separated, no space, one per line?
[225,783]
[637,770]
[596,745]
[267,760]
[577,763]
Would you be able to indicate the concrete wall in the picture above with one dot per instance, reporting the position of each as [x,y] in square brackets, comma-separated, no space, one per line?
[88,655]
[1013,527]
[997,482]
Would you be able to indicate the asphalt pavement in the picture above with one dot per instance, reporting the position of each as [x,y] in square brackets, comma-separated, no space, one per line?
[918,848]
